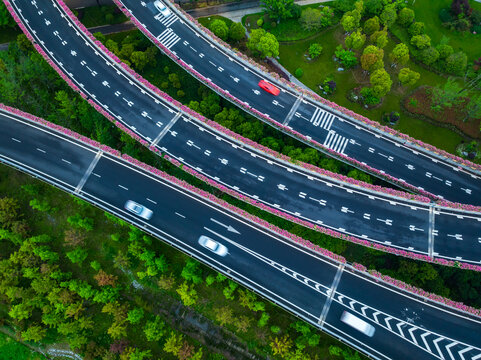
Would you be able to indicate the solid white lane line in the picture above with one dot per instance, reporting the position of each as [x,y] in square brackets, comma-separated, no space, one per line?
[152,201]
[43,151]
[16,140]
[182,216]
[123,187]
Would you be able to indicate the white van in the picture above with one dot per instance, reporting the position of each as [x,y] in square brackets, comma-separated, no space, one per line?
[357,323]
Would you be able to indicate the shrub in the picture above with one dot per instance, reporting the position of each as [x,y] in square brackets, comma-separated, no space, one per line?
[347,58]
[371,25]
[368,96]
[406,17]
[315,50]
[445,16]
[299,72]
[260,22]
[180,93]
[456,63]
[429,55]
[109,18]
[444,51]
[236,31]
[421,41]
[275,329]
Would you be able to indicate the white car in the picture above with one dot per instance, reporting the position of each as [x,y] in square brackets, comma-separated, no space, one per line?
[138,209]
[357,323]
[162,8]
[213,245]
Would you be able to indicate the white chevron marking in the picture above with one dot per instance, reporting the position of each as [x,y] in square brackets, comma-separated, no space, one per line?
[464,351]
[449,347]
[423,336]
[411,331]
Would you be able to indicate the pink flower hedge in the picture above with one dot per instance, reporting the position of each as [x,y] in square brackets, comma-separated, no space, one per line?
[248,142]
[253,219]
[384,130]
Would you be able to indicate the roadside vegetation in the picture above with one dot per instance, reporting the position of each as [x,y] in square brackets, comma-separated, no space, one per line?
[102,276]
[379,60]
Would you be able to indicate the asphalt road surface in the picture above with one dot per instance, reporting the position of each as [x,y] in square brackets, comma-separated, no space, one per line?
[318,290]
[397,223]
[335,132]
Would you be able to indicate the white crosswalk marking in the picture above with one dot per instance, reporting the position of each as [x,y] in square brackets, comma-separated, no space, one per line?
[166,20]
[336,142]
[168,38]
[322,118]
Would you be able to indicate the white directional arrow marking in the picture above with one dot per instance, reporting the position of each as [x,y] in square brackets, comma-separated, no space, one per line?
[464,351]
[423,336]
[411,330]
[435,342]
[228,227]
[449,347]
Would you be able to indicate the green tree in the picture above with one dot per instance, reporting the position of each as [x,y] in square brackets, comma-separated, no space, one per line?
[421,41]
[281,346]
[389,15]
[406,17]
[188,294]
[34,333]
[473,108]
[192,271]
[355,40]
[224,315]
[135,315]
[154,330]
[408,77]
[139,59]
[219,28]
[429,55]
[20,311]
[8,211]
[444,50]
[263,319]
[310,19]
[400,54]
[138,354]
[371,25]
[236,31]
[113,46]
[446,96]
[77,256]
[263,44]
[348,23]
[347,58]
[315,50]
[373,7]
[278,9]
[173,343]
[456,63]
[372,58]
[126,51]
[416,28]
[6,20]
[381,82]
[379,38]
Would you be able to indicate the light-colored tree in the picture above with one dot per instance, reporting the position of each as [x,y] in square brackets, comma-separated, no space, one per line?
[224,315]
[371,25]
[381,82]
[406,17]
[263,43]
[219,28]
[400,54]
[429,55]
[279,9]
[281,346]
[355,40]
[310,19]
[379,38]
[408,77]
[348,23]
[372,58]
[421,41]
[389,15]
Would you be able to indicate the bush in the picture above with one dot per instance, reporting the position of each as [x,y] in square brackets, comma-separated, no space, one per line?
[236,31]
[406,17]
[347,58]
[456,63]
[299,72]
[444,51]
[260,22]
[416,28]
[445,16]
[368,96]
[315,50]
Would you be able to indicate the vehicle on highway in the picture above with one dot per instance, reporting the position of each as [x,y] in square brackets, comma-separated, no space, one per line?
[138,209]
[213,245]
[357,323]
[271,89]
[162,8]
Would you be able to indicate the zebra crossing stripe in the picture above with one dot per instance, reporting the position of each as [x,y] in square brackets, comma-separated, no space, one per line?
[322,118]
[169,20]
[336,142]
[168,38]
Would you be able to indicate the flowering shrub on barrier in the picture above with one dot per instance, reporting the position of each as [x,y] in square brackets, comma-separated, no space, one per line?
[406,139]
[254,219]
[273,153]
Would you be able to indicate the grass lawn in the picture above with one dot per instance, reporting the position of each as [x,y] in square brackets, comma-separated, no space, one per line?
[96,16]
[205,21]
[13,350]
[427,11]
[292,57]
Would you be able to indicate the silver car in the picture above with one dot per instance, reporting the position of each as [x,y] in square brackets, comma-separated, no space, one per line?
[357,323]
[213,245]
[162,8]
[138,209]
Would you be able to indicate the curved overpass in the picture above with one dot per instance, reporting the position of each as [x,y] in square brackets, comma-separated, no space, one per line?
[312,286]
[345,135]
[394,222]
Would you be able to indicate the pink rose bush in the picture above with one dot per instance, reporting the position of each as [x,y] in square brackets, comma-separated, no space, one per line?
[245,215]
[335,108]
[254,146]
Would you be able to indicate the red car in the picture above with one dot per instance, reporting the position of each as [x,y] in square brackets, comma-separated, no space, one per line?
[271,89]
